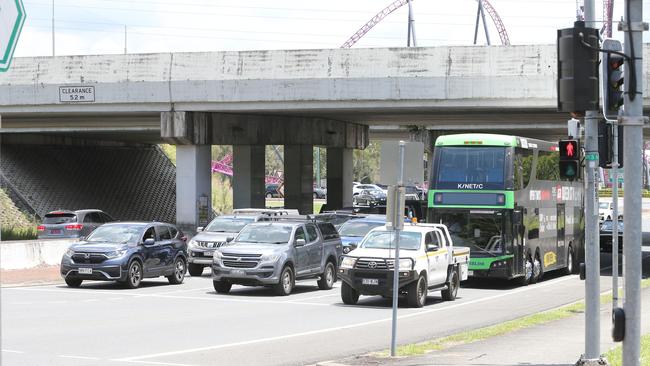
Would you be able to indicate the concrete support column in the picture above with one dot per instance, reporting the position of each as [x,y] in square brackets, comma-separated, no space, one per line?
[298,178]
[193,187]
[339,178]
[248,176]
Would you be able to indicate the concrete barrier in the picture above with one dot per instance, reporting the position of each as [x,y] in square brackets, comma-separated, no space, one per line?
[32,253]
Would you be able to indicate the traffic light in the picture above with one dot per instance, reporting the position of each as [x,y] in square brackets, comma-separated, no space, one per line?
[612,72]
[569,159]
[605,145]
[577,66]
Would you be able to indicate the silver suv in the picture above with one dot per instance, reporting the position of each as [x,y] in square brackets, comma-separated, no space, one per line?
[277,253]
[220,231]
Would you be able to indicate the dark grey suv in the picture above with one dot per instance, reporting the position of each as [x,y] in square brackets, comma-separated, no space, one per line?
[71,224]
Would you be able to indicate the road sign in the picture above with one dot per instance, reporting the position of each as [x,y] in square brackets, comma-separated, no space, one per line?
[12,17]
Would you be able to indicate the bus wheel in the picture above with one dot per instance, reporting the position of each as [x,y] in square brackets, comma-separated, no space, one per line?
[537,270]
[528,272]
[570,265]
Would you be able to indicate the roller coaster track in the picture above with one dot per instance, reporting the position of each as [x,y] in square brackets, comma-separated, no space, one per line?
[503,34]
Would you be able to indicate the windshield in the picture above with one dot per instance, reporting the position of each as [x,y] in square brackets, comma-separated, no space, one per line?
[471,167]
[269,234]
[603,205]
[229,224]
[608,226]
[59,218]
[355,228]
[482,232]
[386,240]
[123,234]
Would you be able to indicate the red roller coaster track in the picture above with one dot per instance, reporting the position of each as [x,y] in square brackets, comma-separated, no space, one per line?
[503,34]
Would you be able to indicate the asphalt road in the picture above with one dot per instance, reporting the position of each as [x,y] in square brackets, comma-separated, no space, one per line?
[189,324]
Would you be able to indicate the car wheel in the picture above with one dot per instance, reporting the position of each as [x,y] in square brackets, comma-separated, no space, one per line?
[416,294]
[315,195]
[284,287]
[269,195]
[196,270]
[528,272]
[73,282]
[349,295]
[452,287]
[570,265]
[537,270]
[179,272]
[134,275]
[326,281]
[221,287]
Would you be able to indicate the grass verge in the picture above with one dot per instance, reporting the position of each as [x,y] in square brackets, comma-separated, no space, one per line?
[476,335]
[615,355]
[280,203]
[18,233]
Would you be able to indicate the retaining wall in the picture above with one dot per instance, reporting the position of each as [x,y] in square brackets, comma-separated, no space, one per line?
[32,253]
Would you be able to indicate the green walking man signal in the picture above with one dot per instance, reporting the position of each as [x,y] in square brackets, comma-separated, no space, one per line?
[569,159]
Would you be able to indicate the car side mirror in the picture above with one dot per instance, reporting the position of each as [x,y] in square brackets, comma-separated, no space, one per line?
[299,242]
[149,242]
[229,239]
[199,229]
[432,248]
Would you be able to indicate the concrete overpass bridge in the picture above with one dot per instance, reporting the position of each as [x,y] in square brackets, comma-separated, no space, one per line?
[336,98]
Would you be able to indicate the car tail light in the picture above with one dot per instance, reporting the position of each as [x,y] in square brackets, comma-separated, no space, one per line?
[184,238]
[40,228]
[74,227]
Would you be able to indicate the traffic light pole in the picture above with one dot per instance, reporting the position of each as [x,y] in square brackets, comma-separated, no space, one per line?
[592,238]
[632,122]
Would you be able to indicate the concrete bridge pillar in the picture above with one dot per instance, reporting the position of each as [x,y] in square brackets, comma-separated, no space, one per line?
[339,178]
[248,176]
[299,178]
[193,186]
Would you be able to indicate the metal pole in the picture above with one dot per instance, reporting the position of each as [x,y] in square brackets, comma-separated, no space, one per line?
[52,27]
[478,14]
[318,167]
[485,28]
[592,238]
[632,155]
[412,24]
[125,39]
[400,182]
[614,176]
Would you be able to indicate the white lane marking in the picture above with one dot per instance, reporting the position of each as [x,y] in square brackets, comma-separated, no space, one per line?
[224,299]
[175,291]
[311,298]
[152,362]
[80,357]
[11,351]
[346,327]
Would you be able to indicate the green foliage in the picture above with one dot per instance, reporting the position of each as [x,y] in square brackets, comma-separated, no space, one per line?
[170,151]
[18,233]
[366,163]
[221,194]
[615,355]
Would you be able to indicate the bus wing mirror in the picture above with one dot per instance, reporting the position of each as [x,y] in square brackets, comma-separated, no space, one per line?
[518,217]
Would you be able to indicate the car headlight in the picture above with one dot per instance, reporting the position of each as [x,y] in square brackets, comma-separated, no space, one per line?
[191,244]
[270,257]
[115,253]
[69,252]
[405,264]
[348,262]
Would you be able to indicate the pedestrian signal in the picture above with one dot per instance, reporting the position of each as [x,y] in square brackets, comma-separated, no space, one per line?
[569,159]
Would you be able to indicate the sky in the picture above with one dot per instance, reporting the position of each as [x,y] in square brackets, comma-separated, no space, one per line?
[100,26]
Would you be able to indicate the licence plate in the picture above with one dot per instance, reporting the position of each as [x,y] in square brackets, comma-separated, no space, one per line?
[85,271]
[237,272]
[370,281]
[470,273]
[55,231]
[208,254]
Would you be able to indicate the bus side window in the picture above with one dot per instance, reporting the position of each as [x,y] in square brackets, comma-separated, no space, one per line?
[524,159]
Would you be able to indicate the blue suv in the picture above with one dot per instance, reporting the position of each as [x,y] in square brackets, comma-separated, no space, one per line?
[354,230]
[127,252]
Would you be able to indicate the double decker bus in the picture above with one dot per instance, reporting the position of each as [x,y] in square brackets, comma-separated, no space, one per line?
[502,196]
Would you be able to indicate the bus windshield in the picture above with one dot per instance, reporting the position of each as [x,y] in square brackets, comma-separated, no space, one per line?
[476,167]
[481,232]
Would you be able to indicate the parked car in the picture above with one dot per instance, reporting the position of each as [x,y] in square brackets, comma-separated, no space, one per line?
[276,254]
[220,231]
[368,270]
[127,252]
[606,211]
[71,224]
[320,192]
[337,218]
[606,236]
[273,191]
[353,231]
[360,187]
[369,198]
